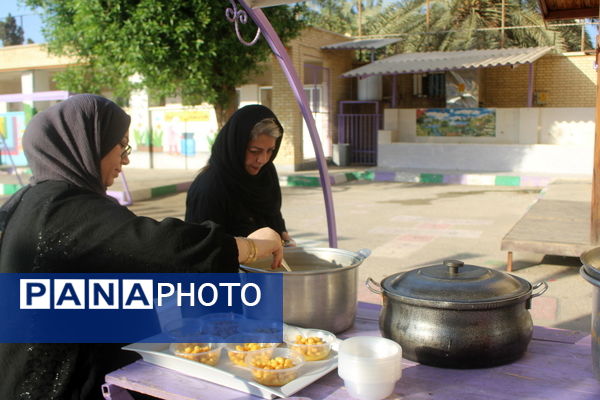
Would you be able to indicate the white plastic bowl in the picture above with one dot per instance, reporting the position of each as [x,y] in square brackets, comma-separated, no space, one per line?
[369,391]
[370,366]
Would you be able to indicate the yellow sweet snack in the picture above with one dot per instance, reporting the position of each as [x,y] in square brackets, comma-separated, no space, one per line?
[199,352]
[196,349]
[313,348]
[309,340]
[237,352]
[274,372]
[250,346]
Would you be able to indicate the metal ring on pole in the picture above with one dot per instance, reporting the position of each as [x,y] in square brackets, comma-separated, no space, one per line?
[234,15]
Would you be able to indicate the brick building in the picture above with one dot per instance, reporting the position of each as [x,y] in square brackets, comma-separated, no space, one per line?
[561,80]
[181,134]
[561,109]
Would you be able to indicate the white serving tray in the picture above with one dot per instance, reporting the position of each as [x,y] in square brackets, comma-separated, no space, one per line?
[227,374]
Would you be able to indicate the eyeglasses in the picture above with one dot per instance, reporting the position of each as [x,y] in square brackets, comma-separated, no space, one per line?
[126,150]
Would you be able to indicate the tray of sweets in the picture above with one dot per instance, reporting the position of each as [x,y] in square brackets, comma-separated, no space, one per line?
[226,373]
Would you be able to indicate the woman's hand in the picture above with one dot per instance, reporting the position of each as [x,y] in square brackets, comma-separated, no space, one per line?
[261,243]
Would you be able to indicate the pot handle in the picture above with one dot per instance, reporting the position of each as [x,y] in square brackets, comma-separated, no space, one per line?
[542,291]
[364,253]
[369,282]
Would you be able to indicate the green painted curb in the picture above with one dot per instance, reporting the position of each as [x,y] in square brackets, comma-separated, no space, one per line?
[368,175]
[508,180]
[351,176]
[431,178]
[163,190]
[303,181]
[10,188]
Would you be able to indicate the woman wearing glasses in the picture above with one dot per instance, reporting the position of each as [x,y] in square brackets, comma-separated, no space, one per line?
[64,222]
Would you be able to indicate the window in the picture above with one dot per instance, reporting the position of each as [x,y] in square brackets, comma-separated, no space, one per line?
[265,96]
[429,85]
[313,94]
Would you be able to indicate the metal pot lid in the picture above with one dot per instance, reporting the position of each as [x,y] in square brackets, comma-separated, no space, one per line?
[455,284]
[591,262]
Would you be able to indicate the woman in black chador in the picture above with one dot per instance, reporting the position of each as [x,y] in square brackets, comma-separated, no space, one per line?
[239,188]
[64,222]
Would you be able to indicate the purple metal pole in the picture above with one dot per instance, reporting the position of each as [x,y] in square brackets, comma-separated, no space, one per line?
[394,91]
[530,87]
[288,68]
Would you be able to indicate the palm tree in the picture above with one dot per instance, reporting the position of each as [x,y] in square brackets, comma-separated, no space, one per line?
[343,16]
[469,24]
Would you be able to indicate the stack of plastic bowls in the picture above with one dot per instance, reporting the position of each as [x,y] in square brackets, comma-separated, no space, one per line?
[370,366]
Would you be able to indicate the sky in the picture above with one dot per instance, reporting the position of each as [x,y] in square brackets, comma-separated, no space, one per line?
[32,23]
[25,17]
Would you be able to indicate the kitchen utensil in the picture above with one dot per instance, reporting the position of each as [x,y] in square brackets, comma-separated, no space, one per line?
[285,265]
[456,315]
[321,291]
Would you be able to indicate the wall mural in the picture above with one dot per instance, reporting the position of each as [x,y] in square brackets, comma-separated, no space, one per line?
[12,127]
[456,122]
[180,137]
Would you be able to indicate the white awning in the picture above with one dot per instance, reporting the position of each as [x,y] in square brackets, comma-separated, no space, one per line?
[368,44]
[438,61]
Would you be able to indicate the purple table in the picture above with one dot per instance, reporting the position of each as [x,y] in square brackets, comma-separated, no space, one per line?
[557,366]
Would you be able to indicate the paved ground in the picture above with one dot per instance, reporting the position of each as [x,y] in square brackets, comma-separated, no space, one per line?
[411,225]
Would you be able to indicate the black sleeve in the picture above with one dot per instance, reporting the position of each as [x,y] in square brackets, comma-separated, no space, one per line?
[206,204]
[280,223]
[102,236]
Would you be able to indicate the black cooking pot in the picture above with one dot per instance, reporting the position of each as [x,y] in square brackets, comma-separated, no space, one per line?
[456,315]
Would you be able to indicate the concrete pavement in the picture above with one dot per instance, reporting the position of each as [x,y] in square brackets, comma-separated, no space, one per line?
[409,224]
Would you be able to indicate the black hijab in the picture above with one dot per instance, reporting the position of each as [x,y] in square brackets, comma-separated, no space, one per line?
[67,141]
[261,193]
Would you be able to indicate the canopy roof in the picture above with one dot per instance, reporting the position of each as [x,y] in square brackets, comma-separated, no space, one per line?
[568,9]
[448,60]
[368,44]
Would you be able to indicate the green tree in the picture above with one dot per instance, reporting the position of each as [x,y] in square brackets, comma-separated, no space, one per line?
[11,34]
[470,24]
[342,16]
[184,47]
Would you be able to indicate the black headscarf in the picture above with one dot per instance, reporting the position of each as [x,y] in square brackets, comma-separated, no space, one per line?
[261,193]
[67,141]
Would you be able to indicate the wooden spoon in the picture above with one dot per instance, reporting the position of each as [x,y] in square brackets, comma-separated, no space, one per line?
[285,265]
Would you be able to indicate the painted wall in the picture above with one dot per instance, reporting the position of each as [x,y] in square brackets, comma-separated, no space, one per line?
[12,127]
[536,158]
[181,136]
[542,140]
[30,56]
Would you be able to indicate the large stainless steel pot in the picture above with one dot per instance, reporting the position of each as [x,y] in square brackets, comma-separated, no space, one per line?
[321,290]
[590,271]
[456,315]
